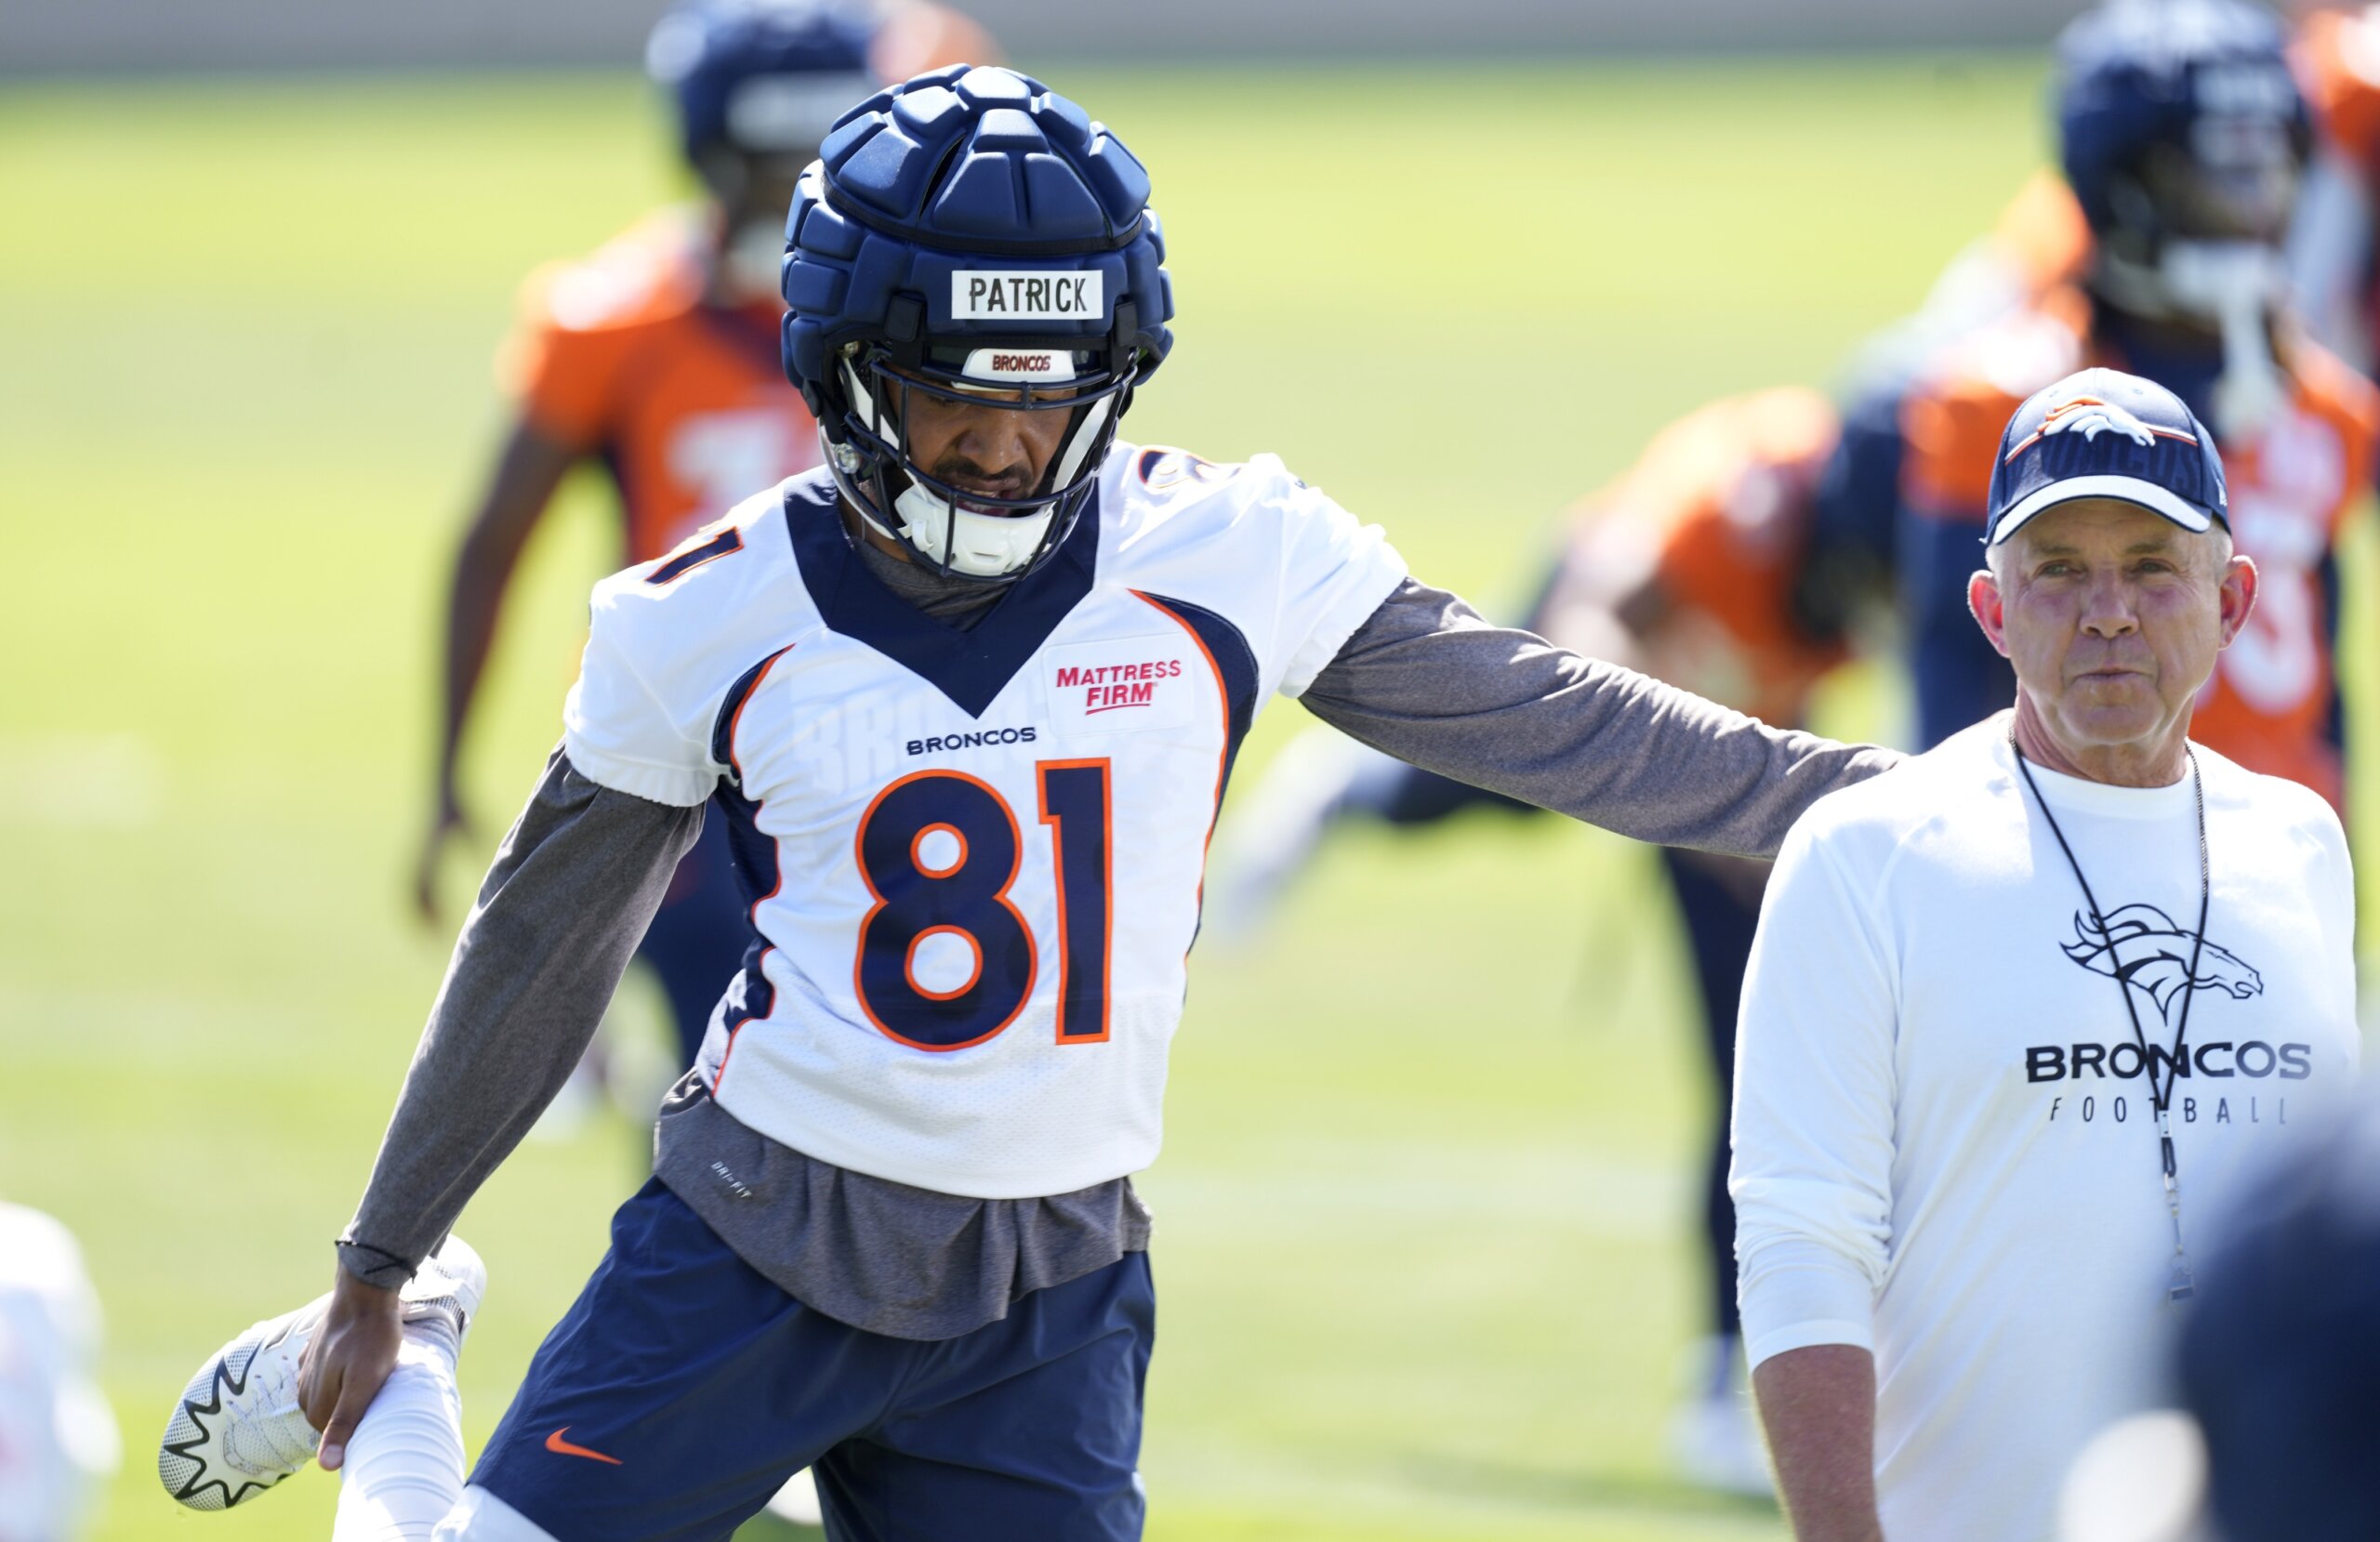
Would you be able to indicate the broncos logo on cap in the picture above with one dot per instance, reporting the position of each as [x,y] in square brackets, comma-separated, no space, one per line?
[2157,957]
[2090,416]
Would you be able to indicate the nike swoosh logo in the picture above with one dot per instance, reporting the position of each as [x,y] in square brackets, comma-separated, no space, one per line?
[560,1447]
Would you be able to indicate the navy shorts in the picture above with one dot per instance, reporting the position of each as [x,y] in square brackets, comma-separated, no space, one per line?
[683,1388]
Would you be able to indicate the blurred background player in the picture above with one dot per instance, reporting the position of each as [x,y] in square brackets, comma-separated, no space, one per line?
[1690,566]
[58,1438]
[2337,55]
[657,356]
[2183,138]
[2042,243]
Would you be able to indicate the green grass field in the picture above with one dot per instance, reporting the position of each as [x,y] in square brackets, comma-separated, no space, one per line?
[1426,1200]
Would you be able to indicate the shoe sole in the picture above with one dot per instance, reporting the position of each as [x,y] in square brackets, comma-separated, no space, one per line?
[190,1460]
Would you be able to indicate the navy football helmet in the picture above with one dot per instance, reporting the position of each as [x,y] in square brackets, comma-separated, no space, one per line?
[970,234]
[2184,136]
[762,77]
[757,83]
[2180,118]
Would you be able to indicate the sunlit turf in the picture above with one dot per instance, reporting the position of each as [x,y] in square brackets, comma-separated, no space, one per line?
[1424,1208]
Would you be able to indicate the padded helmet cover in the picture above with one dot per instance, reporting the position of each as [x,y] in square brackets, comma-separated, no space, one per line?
[969,170]
[965,224]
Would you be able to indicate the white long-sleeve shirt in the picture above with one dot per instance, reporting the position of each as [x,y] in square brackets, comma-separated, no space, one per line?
[1945,1150]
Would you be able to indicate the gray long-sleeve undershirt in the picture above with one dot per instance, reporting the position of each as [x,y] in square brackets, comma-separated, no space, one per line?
[1428,681]
[576,882]
[563,906]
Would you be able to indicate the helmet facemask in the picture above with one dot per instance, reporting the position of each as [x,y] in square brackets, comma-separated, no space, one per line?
[963,531]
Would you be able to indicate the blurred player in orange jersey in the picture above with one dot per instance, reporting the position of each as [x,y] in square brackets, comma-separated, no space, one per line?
[657,356]
[1689,566]
[2042,242]
[2337,55]
[2183,138]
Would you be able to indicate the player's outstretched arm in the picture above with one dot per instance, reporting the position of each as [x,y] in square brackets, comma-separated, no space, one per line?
[527,470]
[1427,680]
[574,887]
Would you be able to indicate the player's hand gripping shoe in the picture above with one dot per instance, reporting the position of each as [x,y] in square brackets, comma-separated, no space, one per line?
[238,1430]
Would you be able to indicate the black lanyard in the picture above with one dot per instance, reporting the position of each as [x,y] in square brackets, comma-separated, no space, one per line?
[2181,1284]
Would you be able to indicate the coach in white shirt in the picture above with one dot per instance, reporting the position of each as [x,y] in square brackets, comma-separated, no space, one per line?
[2023,1009]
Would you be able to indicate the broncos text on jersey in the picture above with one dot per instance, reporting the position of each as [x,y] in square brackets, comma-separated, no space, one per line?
[974,857]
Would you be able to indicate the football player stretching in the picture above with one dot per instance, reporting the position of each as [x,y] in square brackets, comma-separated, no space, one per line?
[656,358]
[965,699]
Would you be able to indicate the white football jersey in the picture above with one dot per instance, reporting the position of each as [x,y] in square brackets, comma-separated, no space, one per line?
[974,856]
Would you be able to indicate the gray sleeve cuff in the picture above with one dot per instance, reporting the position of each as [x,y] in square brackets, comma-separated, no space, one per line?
[373,1266]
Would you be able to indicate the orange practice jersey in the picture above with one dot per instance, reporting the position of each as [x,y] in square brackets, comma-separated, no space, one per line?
[617,356]
[2292,485]
[1716,513]
[2041,239]
[2337,58]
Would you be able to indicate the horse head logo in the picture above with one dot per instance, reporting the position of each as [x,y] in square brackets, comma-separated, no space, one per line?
[2090,416]
[2156,957]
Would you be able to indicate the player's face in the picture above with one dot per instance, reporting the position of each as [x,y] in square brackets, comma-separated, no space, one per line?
[2112,616]
[985,444]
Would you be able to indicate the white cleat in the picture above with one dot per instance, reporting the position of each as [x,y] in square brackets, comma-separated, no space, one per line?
[238,1430]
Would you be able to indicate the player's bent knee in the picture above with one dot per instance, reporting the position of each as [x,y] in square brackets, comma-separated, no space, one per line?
[482,1517]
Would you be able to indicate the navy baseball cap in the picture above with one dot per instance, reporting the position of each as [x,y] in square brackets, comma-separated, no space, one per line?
[2100,433]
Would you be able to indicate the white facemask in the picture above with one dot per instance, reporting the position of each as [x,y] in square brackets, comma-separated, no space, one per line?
[981,546]
[2235,284]
[977,544]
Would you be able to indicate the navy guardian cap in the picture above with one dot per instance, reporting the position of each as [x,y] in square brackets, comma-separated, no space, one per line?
[2207,80]
[2100,433]
[970,233]
[762,77]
